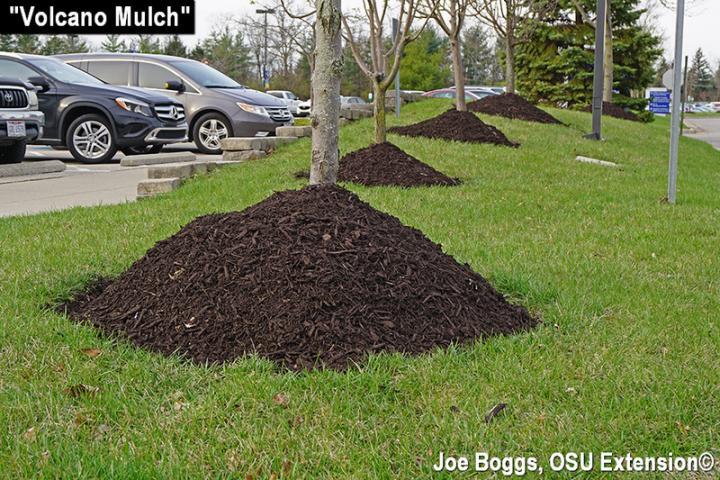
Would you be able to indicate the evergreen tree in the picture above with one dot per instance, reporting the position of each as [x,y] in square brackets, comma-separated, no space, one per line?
[147,44]
[113,44]
[7,43]
[700,78]
[424,65]
[226,51]
[556,64]
[75,44]
[54,45]
[354,82]
[480,57]
[175,47]
[26,43]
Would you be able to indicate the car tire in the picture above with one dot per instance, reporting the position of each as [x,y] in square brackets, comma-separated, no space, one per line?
[144,150]
[14,153]
[90,139]
[209,130]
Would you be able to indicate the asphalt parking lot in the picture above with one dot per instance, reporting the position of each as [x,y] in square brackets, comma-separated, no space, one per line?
[78,185]
[706,129]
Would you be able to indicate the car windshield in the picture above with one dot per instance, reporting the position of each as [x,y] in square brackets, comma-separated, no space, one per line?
[63,72]
[205,75]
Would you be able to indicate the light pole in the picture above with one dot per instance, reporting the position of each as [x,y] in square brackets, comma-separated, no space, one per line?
[676,100]
[265,72]
[598,71]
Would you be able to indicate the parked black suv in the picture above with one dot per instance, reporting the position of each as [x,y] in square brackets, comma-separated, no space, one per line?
[92,119]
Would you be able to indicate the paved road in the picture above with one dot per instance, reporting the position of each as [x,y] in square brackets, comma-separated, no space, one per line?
[79,185]
[708,130]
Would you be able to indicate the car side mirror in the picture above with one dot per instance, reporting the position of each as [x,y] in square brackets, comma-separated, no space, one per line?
[175,86]
[40,83]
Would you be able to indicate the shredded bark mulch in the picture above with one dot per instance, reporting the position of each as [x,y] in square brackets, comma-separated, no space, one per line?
[458,126]
[307,278]
[512,106]
[616,111]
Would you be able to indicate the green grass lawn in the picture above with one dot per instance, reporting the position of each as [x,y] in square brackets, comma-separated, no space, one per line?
[627,358]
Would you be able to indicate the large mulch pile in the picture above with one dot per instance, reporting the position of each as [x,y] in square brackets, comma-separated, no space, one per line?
[614,110]
[458,126]
[307,278]
[513,106]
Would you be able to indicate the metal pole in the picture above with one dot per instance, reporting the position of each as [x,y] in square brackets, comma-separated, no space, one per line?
[395,31]
[676,100]
[684,91]
[265,55]
[599,72]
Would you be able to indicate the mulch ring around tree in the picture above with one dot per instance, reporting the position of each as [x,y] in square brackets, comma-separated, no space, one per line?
[512,106]
[616,111]
[384,164]
[458,126]
[311,278]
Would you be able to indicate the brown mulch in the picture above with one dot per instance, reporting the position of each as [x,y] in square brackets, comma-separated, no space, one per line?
[458,126]
[512,106]
[306,278]
[616,111]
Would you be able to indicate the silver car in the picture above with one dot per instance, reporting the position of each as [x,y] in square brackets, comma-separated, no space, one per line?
[216,106]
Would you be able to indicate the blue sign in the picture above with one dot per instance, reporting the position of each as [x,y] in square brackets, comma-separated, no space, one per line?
[660,102]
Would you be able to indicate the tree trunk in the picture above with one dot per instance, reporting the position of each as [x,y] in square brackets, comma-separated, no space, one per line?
[509,65]
[510,52]
[608,60]
[379,112]
[326,93]
[459,74]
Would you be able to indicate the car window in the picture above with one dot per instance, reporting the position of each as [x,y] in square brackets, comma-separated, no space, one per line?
[17,70]
[155,76]
[276,94]
[112,72]
[63,72]
[292,96]
[444,95]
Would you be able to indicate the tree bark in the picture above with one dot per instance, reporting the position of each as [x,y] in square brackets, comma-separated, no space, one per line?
[379,113]
[459,74]
[608,60]
[326,93]
[509,64]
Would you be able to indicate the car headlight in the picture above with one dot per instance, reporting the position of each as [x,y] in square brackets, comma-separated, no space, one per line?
[32,98]
[253,109]
[134,106]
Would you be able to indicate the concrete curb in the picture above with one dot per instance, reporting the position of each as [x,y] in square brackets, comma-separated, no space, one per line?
[594,161]
[31,168]
[157,159]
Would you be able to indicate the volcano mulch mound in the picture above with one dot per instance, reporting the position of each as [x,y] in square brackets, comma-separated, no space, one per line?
[513,106]
[614,110]
[307,278]
[386,164]
[458,126]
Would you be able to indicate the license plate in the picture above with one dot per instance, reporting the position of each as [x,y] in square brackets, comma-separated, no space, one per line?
[16,129]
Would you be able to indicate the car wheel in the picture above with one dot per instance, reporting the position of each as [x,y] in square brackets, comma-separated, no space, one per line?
[90,139]
[14,153]
[144,150]
[209,131]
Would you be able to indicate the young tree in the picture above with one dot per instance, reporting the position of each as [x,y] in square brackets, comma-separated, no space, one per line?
[148,44]
[507,17]
[75,44]
[26,43]
[113,44]
[608,60]
[7,42]
[450,16]
[326,92]
[384,60]
[225,50]
[54,45]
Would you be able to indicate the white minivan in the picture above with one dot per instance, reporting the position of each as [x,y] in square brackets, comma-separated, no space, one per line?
[289,98]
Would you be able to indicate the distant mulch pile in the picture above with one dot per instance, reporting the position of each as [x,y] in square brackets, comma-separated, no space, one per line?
[458,126]
[513,106]
[307,278]
[614,110]
[386,164]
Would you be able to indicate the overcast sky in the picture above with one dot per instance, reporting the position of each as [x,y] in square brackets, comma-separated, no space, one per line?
[702,23]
